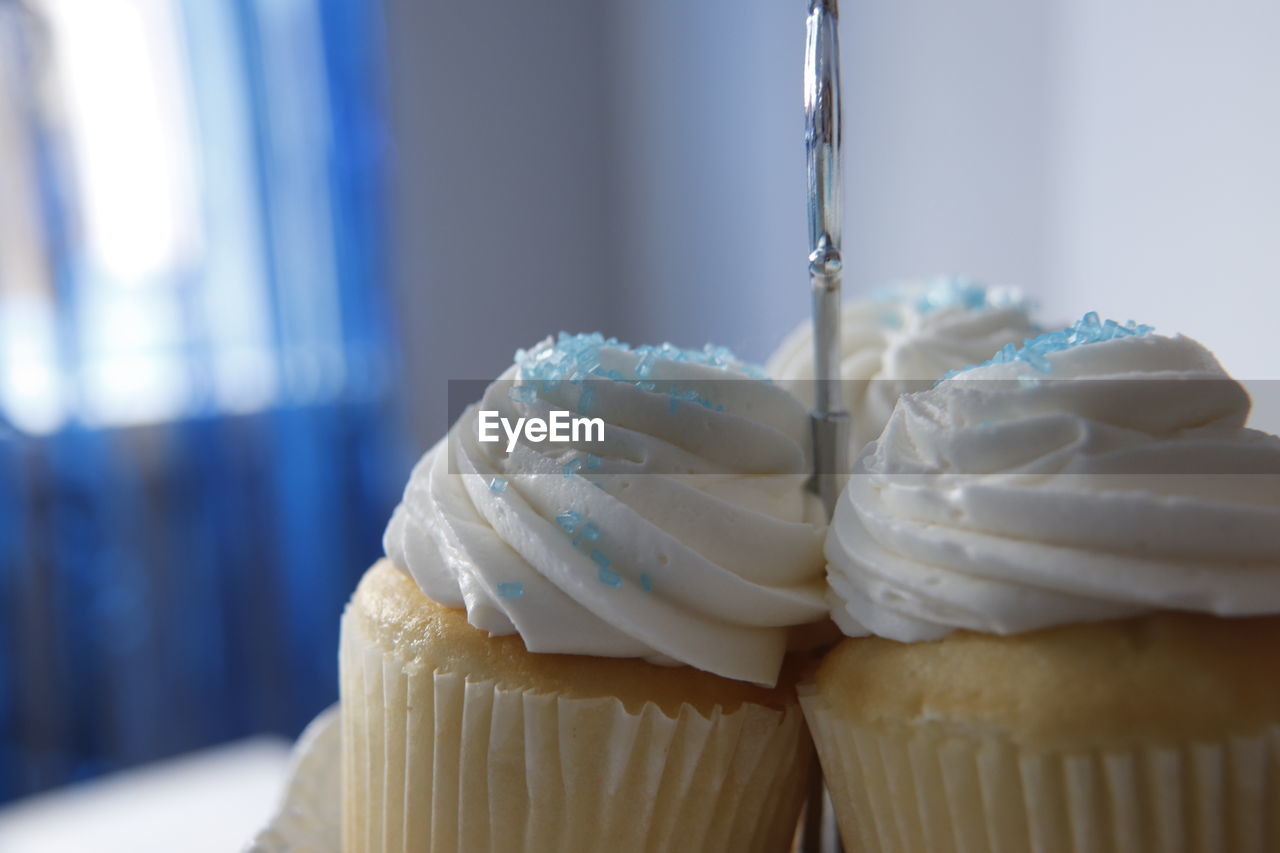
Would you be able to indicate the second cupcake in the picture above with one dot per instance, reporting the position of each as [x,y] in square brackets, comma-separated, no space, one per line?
[1070,558]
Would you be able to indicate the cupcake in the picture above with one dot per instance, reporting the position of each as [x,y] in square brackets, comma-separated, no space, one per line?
[580,643]
[902,339]
[1069,560]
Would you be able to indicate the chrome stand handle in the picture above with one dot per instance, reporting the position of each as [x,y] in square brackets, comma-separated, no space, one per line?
[822,140]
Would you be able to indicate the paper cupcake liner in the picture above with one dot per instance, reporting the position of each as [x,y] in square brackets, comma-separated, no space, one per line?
[435,761]
[927,790]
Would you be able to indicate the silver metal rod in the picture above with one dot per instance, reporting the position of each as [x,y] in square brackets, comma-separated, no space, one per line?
[822,140]
[830,421]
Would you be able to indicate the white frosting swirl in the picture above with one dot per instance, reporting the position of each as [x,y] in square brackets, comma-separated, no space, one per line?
[705,548]
[902,339]
[1006,500]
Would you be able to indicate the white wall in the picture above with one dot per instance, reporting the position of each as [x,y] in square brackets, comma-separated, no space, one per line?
[710,171]
[946,128]
[1166,164]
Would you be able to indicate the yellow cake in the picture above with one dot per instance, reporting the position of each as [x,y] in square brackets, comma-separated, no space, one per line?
[552,752]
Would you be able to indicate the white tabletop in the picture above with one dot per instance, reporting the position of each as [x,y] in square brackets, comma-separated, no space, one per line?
[213,800]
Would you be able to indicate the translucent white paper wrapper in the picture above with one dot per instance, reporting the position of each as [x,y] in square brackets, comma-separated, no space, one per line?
[306,820]
[926,790]
[432,761]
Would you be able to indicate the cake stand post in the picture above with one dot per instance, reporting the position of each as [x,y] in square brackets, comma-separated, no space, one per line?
[829,420]
[826,214]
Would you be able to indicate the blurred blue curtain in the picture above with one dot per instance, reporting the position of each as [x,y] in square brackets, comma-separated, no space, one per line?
[176,582]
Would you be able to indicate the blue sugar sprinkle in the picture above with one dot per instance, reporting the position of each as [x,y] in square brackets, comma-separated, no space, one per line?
[571,467]
[593,462]
[646,386]
[675,397]
[568,520]
[510,590]
[590,532]
[644,367]
[498,484]
[1035,352]
[606,576]
[586,399]
[720,407]
[586,361]
[646,583]
[523,393]
[575,357]
[719,356]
